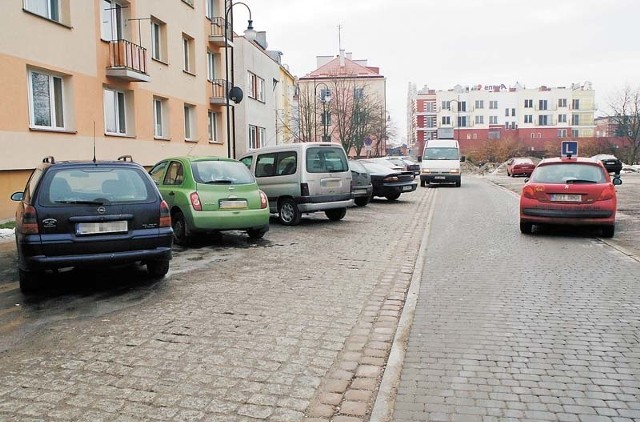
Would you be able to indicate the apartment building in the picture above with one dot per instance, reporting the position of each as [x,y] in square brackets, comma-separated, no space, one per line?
[476,114]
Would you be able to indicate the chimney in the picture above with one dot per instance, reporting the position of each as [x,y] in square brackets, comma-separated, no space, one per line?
[349,55]
[342,57]
[261,39]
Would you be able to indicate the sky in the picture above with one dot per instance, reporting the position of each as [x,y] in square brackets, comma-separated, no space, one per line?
[442,43]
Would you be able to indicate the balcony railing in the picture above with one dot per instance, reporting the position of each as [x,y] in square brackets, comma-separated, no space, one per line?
[219,35]
[219,90]
[127,61]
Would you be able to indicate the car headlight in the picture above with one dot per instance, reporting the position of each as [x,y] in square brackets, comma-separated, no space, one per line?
[425,171]
[454,171]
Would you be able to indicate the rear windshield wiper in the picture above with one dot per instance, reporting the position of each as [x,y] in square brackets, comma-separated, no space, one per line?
[80,202]
[211,182]
[579,181]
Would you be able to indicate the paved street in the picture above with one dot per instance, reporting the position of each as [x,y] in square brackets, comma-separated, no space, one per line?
[313,323]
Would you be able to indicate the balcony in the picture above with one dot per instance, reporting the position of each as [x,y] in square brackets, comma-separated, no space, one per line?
[127,61]
[219,90]
[219,36]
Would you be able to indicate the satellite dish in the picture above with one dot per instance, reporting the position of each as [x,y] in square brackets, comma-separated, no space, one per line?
[236,94]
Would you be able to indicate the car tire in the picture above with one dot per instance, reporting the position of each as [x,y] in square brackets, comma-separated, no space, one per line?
[526,228]
[288,212]
[392,196]
[158,268]
[508,174]
[336,214]
[423,183]
[458,183]
[29,281]
[255,234]
[608,231]
[181,231]
[362,201]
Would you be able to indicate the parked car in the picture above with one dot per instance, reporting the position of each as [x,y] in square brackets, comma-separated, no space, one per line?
[387,182]
[610,162]
[407,164]
[520,166]
[361,186]
[569,192]
[211,194]
[384,161]
[88,213]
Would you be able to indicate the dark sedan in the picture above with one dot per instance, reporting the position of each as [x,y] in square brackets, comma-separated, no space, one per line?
[389,183]
[610,162]
[361,186]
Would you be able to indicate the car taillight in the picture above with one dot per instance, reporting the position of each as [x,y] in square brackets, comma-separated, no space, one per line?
[29,222]
[264,202]
[529,192]
[607,193]
[195,201]
[304,189]
[165,215]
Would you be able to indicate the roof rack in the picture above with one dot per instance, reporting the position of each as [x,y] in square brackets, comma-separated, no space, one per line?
[125,158]
[49,159]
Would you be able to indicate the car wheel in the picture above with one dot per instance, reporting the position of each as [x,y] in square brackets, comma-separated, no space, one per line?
[508,174]
[29,281]
[180,229]
[458,183]
[255,234]
[336,214]
[423,183]
[608,231]
[158,268]
[392,196]
[526,228]
[362,200]
[288,212]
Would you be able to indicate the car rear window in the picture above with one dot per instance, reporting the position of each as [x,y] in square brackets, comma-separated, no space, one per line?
[227,172]
[326,160]
[568,173]
[96,184]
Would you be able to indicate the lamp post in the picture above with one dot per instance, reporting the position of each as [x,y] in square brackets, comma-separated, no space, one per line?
[233,92]
[325,99]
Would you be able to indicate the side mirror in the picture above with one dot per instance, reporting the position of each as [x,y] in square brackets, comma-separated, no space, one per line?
[617,181]
[463,159]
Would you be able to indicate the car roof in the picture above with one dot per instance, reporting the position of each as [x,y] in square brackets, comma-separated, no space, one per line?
[124,160]
[194,158]
[567,160]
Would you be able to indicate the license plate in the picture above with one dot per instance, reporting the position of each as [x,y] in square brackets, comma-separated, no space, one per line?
[439,177]
[565,198]
[407,188]
[331,183]
[102,227]
[233,205]
[360,190]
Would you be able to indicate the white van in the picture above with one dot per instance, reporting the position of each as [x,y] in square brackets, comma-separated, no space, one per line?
[441,162]
[303,178]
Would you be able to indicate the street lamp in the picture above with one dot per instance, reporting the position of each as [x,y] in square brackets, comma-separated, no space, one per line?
[325,99]
[233,92]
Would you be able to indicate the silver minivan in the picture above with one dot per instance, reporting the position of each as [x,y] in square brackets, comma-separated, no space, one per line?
[303,178]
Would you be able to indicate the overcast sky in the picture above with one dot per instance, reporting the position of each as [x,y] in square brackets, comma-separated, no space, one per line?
[441,43]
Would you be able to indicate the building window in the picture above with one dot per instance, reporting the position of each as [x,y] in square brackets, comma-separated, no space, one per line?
[562,102]
[49,9]
[212,59]
[431,121]
[528,103]
[513,112]
[506,112]
[257,137]
[358,93]
[256,87]
[462,121]
[46,100]
[493,105]
[528,118]
[158,40]
[562,118]
[462,106]
[430,107]
[446,120]
[575,119]
[479,104]
[575,104]
[160,117]
[210,10]
[446,105]
[493,120]
[115,111]
[542,104]
[213,126]
[543,120]
[112,21]
[575,133]
[479,120]
[188,46]
[562,133]
[189,122]
[533,135]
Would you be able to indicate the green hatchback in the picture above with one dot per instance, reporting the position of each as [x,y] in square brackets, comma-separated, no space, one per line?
[211,194]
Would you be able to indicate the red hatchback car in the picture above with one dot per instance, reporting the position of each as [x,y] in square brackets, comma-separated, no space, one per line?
[520,166]
[569,192]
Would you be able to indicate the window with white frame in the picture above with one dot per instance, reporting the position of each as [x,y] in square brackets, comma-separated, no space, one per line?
[562,133]
[212,60]
[358,93]
[542,104]
[575,133]
[506,112]
[543,120]
[493,120]
[462,106]
[188,50]
[446,120]
[528,103]
[210,10]
[213,118]
[158,40]
[257,136]
[479,120]
[189,122]
[160,118]
[562,102]
[46,100]
[431,121]
[575,104]
[493,105]
[430,107]
[513,112]
[256,87]
[115,111]
[50,9]
[528,118]
[562,118]
[479,104]
[112,15]
[446,105]
[575,119]
[462,121]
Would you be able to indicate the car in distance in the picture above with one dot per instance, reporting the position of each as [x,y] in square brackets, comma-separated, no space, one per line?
[209,195]
[520,166]
[89,213]
[387,182]
[406,164]
[361,186]
[610,162]
[569,192]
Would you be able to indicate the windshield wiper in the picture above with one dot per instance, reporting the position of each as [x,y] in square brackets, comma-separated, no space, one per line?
[579,181]
[216,181]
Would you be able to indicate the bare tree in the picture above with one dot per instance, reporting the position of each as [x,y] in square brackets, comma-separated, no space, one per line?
[625,116]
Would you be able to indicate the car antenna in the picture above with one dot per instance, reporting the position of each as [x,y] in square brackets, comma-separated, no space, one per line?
[94,142]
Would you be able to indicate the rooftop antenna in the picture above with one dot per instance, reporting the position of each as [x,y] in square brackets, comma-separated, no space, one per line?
[94,142]
[339,38]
